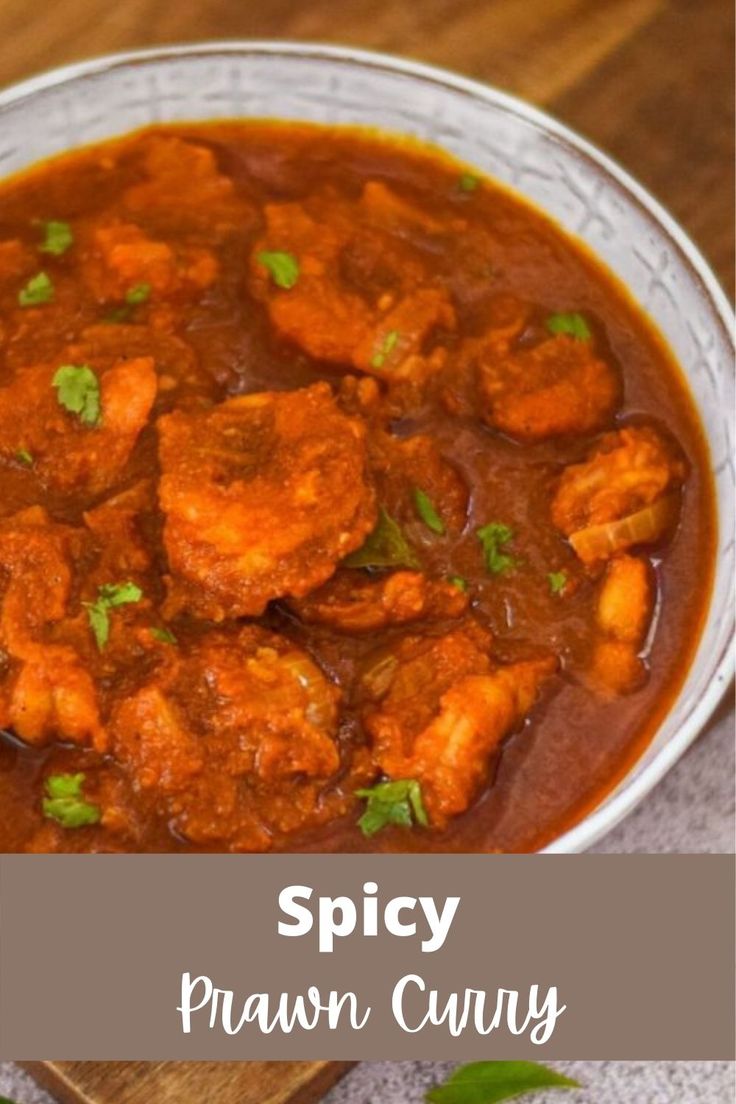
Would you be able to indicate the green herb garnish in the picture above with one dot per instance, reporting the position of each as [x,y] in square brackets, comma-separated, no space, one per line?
[283,267]
[108,597]
[468,182]
[492,1082]
[427,512]
[493,537]
[392,803]
[78,391]
[64,801]
[23,456]
[459,582]
[139,293]
[385,546]
[164,636]
[389,343]
[58,237]
[38,290]
[572,324]
[557,581]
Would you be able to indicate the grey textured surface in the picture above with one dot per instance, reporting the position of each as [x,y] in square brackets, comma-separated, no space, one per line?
[691,810]
[605,1083]
[406,1082]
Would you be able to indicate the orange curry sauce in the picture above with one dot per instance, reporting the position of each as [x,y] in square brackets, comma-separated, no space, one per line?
[326,464]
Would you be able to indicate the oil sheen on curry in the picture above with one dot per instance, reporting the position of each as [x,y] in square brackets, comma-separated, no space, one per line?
[345,503]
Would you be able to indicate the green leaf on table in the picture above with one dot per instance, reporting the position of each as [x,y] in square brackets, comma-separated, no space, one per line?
[397,802]
[64,802]
[385,546]
[490,1082]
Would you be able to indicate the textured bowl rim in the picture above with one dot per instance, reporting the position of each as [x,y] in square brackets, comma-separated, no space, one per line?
[630,792]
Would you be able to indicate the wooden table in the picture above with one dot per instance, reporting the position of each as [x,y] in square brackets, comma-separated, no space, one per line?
[650,81]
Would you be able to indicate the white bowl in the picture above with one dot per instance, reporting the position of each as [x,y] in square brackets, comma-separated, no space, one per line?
[544,161]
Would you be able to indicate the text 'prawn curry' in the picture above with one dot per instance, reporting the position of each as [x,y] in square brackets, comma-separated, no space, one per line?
[345,503]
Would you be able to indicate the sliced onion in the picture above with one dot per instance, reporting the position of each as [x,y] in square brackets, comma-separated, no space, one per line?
[598,542]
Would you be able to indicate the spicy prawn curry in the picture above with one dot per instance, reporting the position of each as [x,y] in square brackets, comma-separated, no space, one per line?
[345,503]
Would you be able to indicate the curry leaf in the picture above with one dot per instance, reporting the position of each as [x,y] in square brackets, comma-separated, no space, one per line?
[78,391]
[38,290]
[493,538]
[64,801]
[572,324]
[58,237]
[283,267]
[427,512]
[23,456]
[386,546]
[392,803]
[490,1082]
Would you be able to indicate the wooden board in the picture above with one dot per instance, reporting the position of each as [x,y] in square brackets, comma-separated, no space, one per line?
[187,1082]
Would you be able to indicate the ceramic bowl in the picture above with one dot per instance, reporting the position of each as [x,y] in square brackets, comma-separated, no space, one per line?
[580,187]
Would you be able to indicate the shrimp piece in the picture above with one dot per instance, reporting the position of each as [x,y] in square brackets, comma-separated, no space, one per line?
[358,299]
[442,708]
[623,614]
[263,496]
[122,256]
[68,455]
[558,386]
[622,495]
[354,603]
[230,736]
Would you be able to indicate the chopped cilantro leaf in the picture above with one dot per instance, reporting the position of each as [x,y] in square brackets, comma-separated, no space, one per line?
[386,546]
[468,182]
[283,267]
[139,293]
[572,324]
[108,597]
[38,290]
[78,391]
[459,582]
[64,801]
[23,456]
[427,512]
[557,581]
[164,636]
[58,237]
[392,803]
[387,345]
[493,537]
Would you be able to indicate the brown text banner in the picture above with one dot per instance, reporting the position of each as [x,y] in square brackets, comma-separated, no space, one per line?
[360,956]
